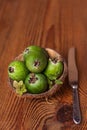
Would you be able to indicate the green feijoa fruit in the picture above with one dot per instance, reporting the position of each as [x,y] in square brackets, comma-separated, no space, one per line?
[35,49]
[54,69]
[36,83]
[31,48]
[36,61]
[17,70]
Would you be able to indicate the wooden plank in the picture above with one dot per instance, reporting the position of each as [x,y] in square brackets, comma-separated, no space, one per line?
[56,24]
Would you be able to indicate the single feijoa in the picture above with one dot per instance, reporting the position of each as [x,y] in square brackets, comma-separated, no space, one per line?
[17,70]
[36,83]
[36,61]
[54,69]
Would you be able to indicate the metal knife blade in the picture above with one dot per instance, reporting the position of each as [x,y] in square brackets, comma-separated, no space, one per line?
[73,81]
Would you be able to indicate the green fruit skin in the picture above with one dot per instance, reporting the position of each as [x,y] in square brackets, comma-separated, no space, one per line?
[20,70]
[31,48]
[39,86]
[36,56]
[54,70]
[35,49]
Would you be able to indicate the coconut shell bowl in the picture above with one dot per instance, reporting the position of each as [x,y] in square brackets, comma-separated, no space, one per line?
[54,89]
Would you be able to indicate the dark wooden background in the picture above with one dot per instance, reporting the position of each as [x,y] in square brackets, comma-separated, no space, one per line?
[56,24]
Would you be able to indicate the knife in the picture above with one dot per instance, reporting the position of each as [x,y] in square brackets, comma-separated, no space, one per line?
[73,81]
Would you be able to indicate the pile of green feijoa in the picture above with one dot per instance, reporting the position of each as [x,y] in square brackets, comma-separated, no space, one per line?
[36,73]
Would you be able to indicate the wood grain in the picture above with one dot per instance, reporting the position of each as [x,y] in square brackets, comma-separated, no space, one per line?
[56,24]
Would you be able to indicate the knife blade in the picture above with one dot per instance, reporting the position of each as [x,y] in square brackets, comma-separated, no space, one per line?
[73,81]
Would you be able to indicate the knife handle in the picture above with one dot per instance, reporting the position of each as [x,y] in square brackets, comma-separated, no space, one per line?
[76,106]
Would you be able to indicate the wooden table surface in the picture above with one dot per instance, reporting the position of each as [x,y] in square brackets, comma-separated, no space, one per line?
[56,24]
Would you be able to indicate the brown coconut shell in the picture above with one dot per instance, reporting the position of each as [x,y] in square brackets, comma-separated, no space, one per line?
[55,88]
